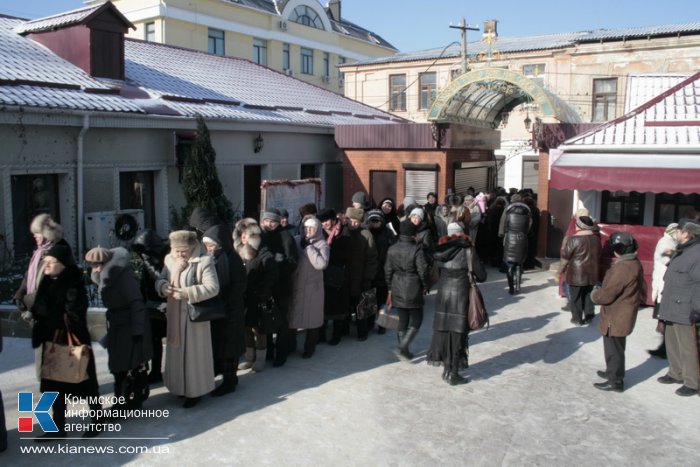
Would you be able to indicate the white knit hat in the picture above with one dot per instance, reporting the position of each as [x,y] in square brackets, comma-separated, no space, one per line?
[454,229]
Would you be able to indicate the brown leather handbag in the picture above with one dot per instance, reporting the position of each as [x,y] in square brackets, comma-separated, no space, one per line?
[477,316]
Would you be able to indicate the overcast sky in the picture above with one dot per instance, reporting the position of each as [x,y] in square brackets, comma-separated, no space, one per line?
[422,24]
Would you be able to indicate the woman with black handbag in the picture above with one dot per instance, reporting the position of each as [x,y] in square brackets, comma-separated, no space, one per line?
[60,307]
[262,274]
[187,278]
[128,339]
[450,326]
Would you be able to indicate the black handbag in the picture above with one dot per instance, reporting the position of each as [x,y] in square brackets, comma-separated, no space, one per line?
[135,388]
[207,310]
[269,317]
[368,304]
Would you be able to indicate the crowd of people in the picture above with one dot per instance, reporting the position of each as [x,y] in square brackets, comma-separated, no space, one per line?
[272,280]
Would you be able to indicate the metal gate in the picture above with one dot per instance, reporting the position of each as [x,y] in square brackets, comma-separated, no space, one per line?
[477,177]
[418,183]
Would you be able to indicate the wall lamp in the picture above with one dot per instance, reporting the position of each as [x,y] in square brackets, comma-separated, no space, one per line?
[258,143]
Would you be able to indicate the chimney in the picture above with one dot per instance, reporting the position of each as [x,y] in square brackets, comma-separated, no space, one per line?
[334,9]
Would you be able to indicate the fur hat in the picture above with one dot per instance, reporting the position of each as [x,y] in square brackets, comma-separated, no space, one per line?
[62,253]
[326,214]
[433,194]
[354,213]
[585,223]
[285,213]
[454,229]
[671,228]
[305,210]
[407,229]
[417,212]
[210,240]
[98,255]
[272,214]
[181,239]
[48,228]
[359,197]
[250,227]
[516,198]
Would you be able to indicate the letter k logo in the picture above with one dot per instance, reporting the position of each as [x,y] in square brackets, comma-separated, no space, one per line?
[25,403]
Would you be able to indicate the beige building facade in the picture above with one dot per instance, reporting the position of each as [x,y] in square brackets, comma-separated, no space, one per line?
[300,38]
[587,72]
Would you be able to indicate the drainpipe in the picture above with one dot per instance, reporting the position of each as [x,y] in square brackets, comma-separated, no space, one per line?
[79,178]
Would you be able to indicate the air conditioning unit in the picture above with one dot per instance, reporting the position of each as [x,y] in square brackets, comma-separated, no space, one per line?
[326,79]
[289,72]
[110,229]
[283,25]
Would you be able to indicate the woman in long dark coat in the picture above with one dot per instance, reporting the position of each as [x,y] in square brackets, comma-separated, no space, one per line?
[262,273]
[61,305]
[128,327]
[227,334]
[406,274]
[450,328]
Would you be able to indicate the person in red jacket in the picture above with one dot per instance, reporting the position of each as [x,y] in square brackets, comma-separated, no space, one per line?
[619,297]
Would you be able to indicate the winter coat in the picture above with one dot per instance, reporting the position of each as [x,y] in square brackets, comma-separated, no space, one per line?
[262,274]
[189,363]
[580,258]
[515,228]
[337,299]
[57,296]
[362,260]
[680,302]
[128,329]
[227,334]
[23,297]
[452,301]
[424,238]
[283,248]
[406,273]
[383,238]
[306,311]
[392,219]
[620,296]
[661,260]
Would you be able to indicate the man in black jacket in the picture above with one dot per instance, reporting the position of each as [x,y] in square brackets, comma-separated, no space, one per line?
[281,244]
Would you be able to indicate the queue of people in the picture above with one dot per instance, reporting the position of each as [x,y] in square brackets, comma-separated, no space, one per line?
[275,281]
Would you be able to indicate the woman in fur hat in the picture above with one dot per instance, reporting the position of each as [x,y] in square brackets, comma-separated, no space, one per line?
[262,273]
[188,277]
[47,233]
[128,336]
[450,328]
[61,306]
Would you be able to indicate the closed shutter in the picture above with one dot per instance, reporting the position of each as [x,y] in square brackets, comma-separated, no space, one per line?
[530,171]
[418,183]
[475,177]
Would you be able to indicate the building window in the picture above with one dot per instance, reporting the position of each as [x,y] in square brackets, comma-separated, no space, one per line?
[32,195]
[326,65]
[621,207]
[286,65]
[306,16]
[260,51]
[604,99]
[310,171]
[307,61]
[397,91]
[535,72]
[150,32]
[427,89]
[216,41]
[136,191]
[341,75]
[670,208]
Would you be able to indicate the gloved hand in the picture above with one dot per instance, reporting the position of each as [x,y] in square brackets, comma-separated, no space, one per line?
[180,294]
[28,316]
[304,242]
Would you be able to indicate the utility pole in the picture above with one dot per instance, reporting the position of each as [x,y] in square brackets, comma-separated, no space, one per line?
[464,27]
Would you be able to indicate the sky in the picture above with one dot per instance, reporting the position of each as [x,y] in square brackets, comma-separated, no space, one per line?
[412,25]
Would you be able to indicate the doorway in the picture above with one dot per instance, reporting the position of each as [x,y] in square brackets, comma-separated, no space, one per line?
[252,179]
[382,185]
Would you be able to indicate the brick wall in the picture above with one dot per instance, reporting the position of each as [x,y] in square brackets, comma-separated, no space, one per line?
[543,202]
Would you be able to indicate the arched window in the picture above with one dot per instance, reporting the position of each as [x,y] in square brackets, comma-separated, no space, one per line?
[306,16]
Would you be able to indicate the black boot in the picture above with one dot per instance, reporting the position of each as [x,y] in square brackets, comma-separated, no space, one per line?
[511,282]
[446,374]
[337,332]
[456,378]
[406,341]
[226,387]
[660,352]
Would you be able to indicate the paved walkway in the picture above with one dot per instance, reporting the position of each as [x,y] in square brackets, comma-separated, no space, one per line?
[530,402]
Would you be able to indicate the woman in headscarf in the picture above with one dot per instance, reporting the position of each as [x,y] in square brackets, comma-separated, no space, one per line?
[60,307]
[450,328]
[306,311]
[188,277]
